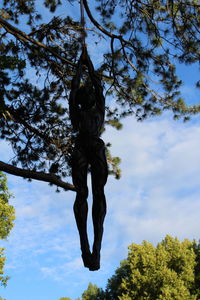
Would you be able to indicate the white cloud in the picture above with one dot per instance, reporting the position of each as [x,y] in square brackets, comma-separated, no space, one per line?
[158,191]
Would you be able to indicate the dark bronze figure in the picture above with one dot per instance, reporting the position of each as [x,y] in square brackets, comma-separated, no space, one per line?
[87,111]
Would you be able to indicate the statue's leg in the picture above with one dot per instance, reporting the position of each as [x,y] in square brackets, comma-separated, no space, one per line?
[99,173]
[79,176]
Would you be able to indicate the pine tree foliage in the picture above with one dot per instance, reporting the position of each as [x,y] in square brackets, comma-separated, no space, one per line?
[145,42]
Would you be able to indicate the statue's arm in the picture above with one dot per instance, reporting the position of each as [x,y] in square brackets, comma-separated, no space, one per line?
[96,81]
[73,108]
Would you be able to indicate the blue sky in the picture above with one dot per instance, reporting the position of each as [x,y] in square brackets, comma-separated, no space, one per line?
[158,194]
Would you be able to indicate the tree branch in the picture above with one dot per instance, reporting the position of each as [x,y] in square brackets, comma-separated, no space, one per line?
[111,35]
[47,177]
[24,37]
[16,118]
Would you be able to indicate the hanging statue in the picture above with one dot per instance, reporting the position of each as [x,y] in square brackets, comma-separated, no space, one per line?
[87,111]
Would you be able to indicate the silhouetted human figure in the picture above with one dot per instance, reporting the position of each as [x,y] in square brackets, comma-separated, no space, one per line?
[87,111]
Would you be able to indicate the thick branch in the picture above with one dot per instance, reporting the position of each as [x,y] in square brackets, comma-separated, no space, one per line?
[47,177]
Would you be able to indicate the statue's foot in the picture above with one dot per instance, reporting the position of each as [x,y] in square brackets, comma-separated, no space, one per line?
[95,262]
[86,257]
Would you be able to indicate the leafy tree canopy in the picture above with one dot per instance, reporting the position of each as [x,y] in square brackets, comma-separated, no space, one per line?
[92,293]
[7,214]
[170,270]
[162,272]
[145,41]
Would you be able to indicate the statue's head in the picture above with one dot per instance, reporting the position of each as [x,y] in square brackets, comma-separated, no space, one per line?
[85,97]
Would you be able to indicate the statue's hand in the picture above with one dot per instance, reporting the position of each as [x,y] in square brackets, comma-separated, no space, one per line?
[84,54]
[85,57]
[85,60]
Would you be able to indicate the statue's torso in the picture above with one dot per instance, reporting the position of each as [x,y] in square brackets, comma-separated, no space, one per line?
[90,122]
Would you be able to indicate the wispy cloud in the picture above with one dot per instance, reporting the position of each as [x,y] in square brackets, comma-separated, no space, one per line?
[160,181]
